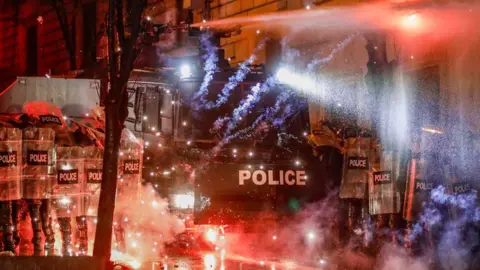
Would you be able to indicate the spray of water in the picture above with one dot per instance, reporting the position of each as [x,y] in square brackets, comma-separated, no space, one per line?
[366,17]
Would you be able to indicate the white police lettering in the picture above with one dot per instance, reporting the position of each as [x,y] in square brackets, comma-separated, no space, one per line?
[358,163]
[95,176]
[131,167]
[272,178]
[271,181]
[67,177]
[256,179]
[381,177]
[301,178]
[243,175]
[461,188]
[38,158]
[7,158]
[423,186]
[46,119]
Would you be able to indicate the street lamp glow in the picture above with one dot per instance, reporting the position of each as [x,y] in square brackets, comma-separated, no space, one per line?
[185,71]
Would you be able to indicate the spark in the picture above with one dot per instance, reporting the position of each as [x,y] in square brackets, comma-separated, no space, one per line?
[65,200]
[340,46]
[431,130]
[236,79]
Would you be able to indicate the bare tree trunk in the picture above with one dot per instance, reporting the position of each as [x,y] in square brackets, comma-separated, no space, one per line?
[103,234]
[116,112]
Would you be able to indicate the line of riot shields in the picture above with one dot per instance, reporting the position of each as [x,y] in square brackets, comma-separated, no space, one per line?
[384,187]
[52,172]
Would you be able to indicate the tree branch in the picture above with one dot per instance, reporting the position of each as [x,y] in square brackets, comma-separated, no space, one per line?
[61,12]
[130,51]
[120,22]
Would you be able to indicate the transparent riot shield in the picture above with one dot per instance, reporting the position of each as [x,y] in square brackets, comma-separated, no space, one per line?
[38,161]
[424,173]
[68,188]
[129,180]
[356,166]
[384,197]
[93,168]
[129,168]
[10,164]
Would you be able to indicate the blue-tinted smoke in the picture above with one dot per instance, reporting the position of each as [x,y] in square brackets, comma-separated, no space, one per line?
[235,80]
[245,106]
[465,204]
[211,59]
[451,222]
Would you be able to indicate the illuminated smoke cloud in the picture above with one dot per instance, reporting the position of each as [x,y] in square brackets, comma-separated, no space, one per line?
[432,214]
[236,79]
[146,231]
[211,59]
[340,46]
[308,239]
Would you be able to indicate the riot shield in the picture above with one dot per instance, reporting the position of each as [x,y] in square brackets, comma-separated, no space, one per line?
[93,168]
[10,164]
[356,165]
[384,197]
[38,161]
[129,167]
[68,188]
